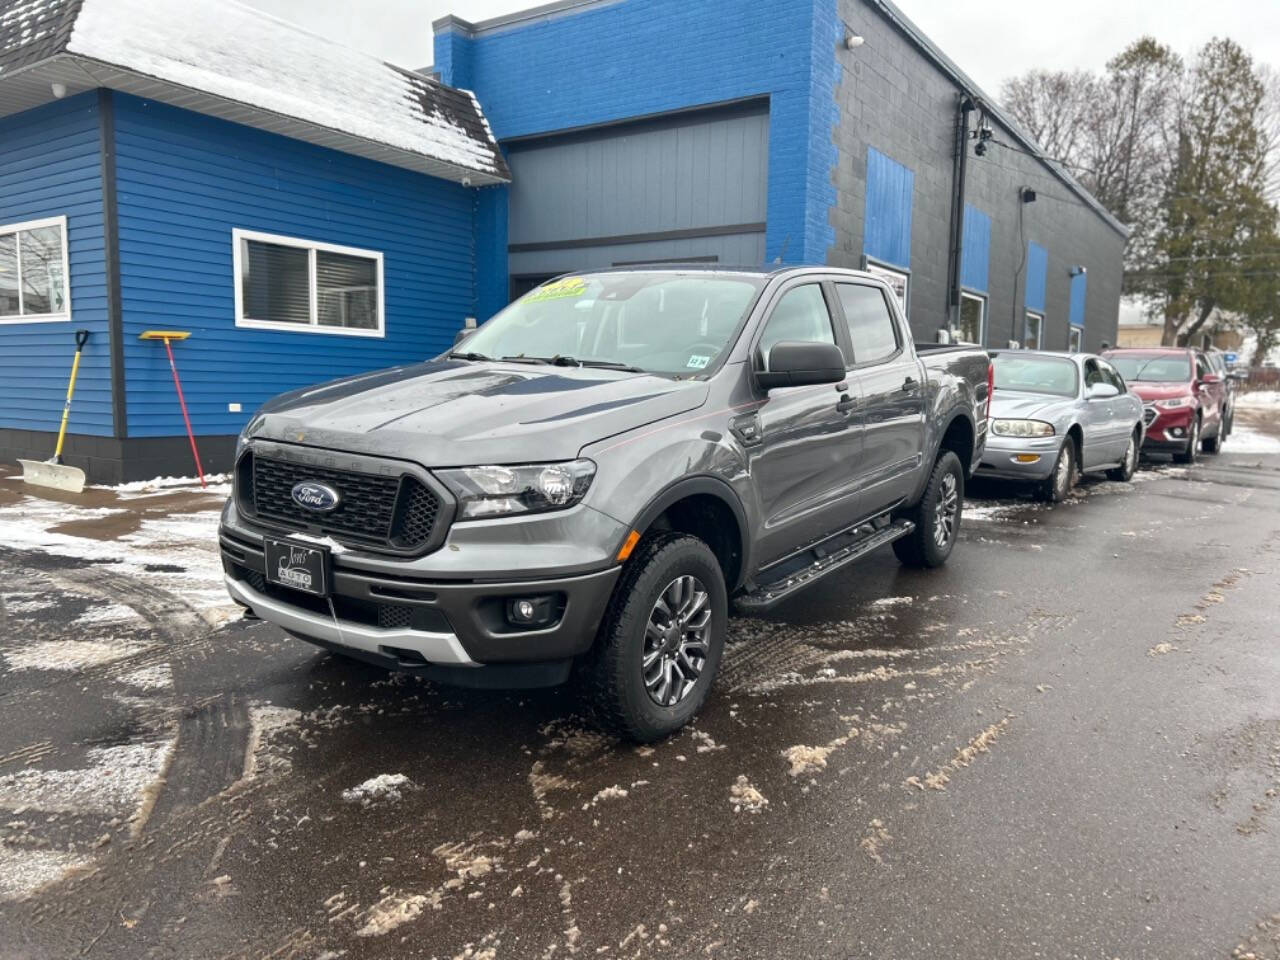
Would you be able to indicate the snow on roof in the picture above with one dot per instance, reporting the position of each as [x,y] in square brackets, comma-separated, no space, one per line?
[229,50]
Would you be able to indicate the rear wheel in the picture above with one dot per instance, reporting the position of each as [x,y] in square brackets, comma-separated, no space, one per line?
[936,516]
[1058,484]
[1188,455]
[661,639]
[1124,472]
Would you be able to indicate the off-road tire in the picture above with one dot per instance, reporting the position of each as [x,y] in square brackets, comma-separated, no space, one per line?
[1055,487]
[1124,472]
[610,676]
[1192,450]
[920,548]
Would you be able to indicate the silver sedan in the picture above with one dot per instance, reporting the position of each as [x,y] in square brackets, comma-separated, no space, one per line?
[1056,415]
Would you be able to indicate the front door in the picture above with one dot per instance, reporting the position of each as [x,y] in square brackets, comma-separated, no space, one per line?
[889,377]
[803,463]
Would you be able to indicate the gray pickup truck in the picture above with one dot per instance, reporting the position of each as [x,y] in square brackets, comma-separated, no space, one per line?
[583,484]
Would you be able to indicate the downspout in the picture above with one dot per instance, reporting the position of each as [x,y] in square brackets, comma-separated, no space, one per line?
[959,164]
[111,261]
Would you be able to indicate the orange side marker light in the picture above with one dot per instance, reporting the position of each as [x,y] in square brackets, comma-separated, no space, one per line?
[628,545]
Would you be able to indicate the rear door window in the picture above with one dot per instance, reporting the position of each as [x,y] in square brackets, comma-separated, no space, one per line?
[872,329]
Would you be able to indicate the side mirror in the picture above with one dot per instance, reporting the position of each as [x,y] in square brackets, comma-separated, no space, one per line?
[1102,391]
[794,363]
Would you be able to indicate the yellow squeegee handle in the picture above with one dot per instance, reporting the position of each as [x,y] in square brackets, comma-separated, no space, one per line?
[81,337]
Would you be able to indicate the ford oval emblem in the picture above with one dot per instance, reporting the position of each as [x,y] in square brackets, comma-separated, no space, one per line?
[319,497]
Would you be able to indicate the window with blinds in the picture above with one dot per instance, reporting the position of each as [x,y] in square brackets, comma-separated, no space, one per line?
[289,284]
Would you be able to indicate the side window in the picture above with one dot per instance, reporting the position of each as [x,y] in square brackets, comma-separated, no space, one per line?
[1202,367]
[802,315]
[1093,373]
[871,326]
[1113,376]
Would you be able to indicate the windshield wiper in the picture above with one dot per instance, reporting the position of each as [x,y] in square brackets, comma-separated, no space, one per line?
[469,355]
[611,365]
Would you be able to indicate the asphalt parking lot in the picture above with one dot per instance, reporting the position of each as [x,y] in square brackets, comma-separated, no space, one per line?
[1065,743]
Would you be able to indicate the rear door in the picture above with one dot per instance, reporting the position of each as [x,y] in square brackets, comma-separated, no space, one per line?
[802,464]
[891,381]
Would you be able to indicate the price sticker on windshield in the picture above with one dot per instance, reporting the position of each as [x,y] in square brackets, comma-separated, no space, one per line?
[697,362]
[559,290]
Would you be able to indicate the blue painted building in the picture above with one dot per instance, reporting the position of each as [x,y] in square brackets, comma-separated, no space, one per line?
[306,212]
[291,250]
[818,131]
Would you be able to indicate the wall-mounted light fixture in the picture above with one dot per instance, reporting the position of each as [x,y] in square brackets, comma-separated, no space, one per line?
[1027,195]
[853,40]
[1078,271]
[59,89]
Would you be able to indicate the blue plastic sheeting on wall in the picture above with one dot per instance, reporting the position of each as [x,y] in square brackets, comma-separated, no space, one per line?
[975,254]
[1037,272]
[1076,310]
[887,235]
[51,166]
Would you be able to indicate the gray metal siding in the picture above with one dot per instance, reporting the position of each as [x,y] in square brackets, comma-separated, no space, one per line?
[693,173]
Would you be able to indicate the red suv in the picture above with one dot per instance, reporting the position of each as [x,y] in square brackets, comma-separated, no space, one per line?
[1184,399]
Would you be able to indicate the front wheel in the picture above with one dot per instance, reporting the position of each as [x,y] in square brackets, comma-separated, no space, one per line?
[1059,483]
[661,639]
[1188,454]
[1124,472]
[936,516]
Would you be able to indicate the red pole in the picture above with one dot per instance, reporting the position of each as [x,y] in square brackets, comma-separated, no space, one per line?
[185,419]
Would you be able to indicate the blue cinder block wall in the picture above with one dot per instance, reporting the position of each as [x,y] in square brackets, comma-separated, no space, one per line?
[50,166]
[186,180]
[617,61]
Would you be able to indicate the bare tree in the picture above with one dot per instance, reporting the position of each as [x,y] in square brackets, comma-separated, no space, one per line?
[1054,108]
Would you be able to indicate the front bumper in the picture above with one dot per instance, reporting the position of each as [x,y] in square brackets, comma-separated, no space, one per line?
[1001,457]
[1168,429]
[402,614]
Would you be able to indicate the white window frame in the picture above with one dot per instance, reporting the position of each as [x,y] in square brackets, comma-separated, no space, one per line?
[311,246]
[1075,331]
[890,275]
[1026,327]
[982,299]
[63,316]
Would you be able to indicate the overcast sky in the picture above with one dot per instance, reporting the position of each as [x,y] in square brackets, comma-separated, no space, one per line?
[989,39]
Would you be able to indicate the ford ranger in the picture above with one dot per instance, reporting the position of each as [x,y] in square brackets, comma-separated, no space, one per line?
[583,484]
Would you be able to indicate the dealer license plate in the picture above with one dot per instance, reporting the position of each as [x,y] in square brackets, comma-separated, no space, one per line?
[300,566]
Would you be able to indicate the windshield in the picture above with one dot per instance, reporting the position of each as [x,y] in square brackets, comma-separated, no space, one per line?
[1034,374]
[1152,367]
[659,322]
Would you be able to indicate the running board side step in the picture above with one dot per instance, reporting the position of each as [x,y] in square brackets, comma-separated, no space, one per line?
[824,562]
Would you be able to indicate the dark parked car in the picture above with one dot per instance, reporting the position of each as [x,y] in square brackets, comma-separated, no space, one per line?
[1185,400]
[1057,415]
[588,478]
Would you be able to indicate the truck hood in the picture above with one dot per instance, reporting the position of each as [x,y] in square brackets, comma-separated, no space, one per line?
[456,413]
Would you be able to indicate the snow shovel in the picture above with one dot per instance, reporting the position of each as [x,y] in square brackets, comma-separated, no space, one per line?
[53,472]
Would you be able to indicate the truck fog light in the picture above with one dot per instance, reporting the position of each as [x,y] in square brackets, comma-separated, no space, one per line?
[531,611]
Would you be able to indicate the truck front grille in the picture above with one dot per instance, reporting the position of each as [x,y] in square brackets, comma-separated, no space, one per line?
[396,512]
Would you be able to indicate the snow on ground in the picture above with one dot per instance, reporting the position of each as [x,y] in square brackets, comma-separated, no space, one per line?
[1258,400]
[180,549]
[385,786]
[1246,440]
[24,871]
[215,483]
[68,654]
[115,781]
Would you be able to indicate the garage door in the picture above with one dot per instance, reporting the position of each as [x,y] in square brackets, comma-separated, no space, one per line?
[689,188]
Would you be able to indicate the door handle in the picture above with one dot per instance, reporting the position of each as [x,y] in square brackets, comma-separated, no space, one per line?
[909,384]
[845,404]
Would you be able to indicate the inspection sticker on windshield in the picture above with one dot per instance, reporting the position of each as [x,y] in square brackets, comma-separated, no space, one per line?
[697,362]
[559,289]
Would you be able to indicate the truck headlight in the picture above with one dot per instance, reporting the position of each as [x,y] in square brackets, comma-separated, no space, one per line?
[529,488]
[1021,428]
